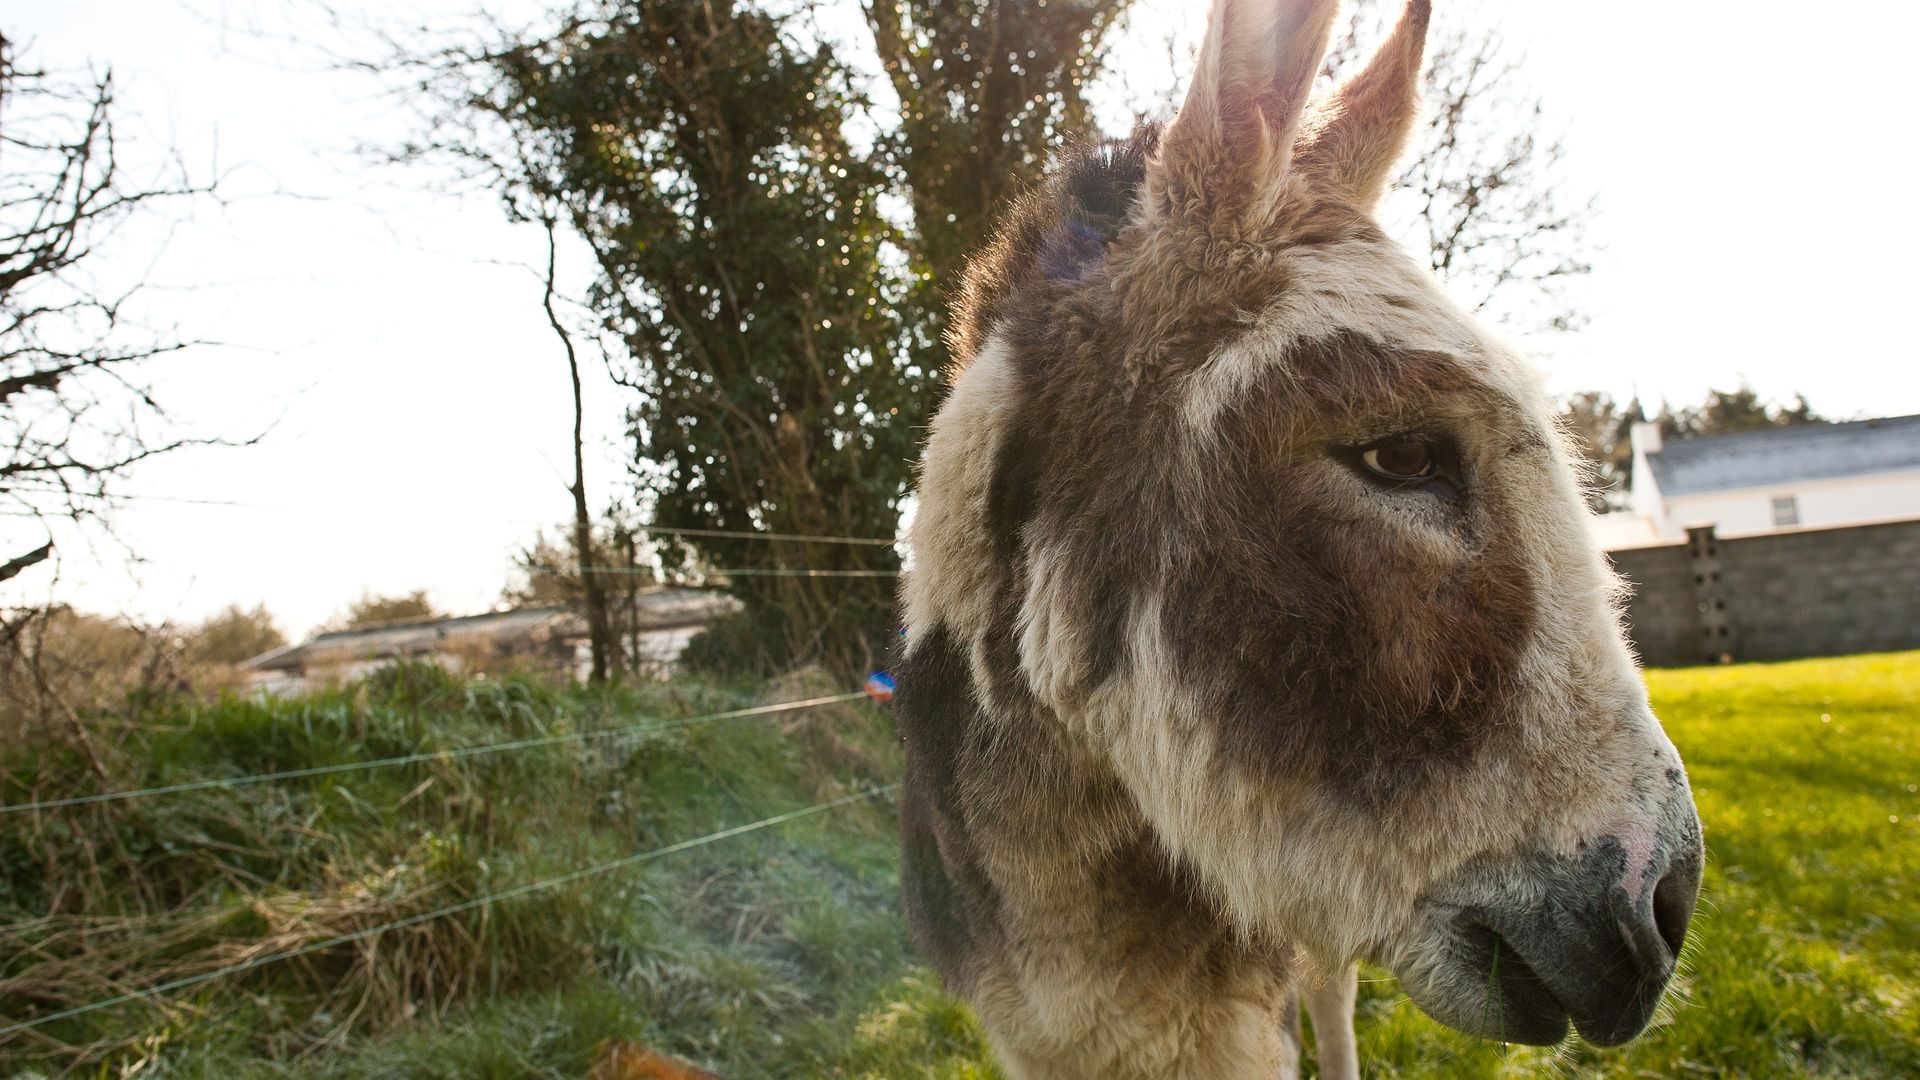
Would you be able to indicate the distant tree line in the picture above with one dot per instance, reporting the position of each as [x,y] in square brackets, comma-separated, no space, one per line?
[1603,427]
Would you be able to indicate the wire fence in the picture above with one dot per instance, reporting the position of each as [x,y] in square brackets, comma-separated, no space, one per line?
[722,573]
[651,727]
[649,530]
[744,534]
[149,992]
[431,755]
[725,572]
[781,571]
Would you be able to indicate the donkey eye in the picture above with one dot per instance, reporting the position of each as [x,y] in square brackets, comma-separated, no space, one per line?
[1399,459]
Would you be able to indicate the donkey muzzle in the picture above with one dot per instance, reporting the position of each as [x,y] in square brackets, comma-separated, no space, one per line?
[1517,948]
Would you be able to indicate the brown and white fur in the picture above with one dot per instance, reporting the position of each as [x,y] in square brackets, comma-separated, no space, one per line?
[1254,627]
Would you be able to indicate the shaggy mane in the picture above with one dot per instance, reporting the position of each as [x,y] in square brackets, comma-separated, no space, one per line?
[1054,236]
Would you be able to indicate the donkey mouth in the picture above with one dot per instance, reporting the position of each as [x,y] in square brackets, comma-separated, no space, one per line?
[1479,983]
[1519,1005]
[1498,977]
[1523,950]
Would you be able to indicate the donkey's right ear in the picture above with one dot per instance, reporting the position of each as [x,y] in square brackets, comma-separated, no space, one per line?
[1232,139]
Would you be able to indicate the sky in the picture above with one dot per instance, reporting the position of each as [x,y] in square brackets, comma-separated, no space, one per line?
[385,341]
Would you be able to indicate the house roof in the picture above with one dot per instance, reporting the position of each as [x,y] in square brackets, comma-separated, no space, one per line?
[1772,457]
[660,609]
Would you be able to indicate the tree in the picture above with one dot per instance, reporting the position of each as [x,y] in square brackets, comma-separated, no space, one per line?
[371,611]
[550,571]
[1603,431]
[592,593]
[465,129]
[232,635]
[546,573]
[1740,409]
[56,663]
[745,271]
[779,332]
[988,89]
[76,413]
[1482,197]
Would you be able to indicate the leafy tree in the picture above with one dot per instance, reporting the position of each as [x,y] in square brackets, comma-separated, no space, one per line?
[371,610]
[546,574]
[746,269]
[1740,409]
[1602,430]
[232,635]
[780,333]
[987,90]
[549,571]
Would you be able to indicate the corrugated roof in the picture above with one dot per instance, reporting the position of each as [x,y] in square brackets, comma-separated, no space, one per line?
[1772,457]
[660,609]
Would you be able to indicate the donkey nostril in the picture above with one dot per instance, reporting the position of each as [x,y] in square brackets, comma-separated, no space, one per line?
[1673,901]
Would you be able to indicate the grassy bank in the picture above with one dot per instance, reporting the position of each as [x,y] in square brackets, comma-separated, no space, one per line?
[780,953]
[774,953]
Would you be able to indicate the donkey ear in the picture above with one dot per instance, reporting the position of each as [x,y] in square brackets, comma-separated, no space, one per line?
[1356,135]
[1234,134]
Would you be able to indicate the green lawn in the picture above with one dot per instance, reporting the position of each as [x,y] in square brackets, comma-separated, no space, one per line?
[781,954]
[1804,957]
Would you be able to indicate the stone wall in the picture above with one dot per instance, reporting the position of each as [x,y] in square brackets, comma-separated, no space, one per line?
[1774,596]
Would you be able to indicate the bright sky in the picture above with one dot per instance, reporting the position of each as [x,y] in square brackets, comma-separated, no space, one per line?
[1754,223]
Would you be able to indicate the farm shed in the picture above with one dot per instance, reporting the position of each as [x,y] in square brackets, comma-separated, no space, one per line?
[550,638]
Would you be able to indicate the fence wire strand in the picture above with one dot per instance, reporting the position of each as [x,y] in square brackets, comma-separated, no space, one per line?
[743,571]
[431,755]
[745,534]
[451,909]
[781,571]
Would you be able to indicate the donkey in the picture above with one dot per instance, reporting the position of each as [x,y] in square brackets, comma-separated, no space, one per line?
[1254,627]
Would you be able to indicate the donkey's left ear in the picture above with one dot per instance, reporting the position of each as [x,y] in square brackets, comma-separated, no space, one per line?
[1230,143]
[1352,139]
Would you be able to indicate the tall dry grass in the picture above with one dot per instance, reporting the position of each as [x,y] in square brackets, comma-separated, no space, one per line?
[100,899]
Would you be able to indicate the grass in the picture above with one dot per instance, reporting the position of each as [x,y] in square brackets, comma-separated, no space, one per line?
[761,955]
[1804,958]
[781,954]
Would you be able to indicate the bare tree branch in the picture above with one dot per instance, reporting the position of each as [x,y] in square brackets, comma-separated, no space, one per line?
[1483,197]
[76,410]
[21,562]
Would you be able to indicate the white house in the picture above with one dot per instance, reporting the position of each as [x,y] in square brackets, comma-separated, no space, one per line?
[1769,479]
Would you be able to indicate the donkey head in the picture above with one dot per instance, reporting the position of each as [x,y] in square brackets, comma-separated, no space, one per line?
[1295,550]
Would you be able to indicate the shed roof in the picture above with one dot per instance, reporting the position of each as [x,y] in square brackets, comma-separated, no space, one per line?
[660,609]
[1774,456]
